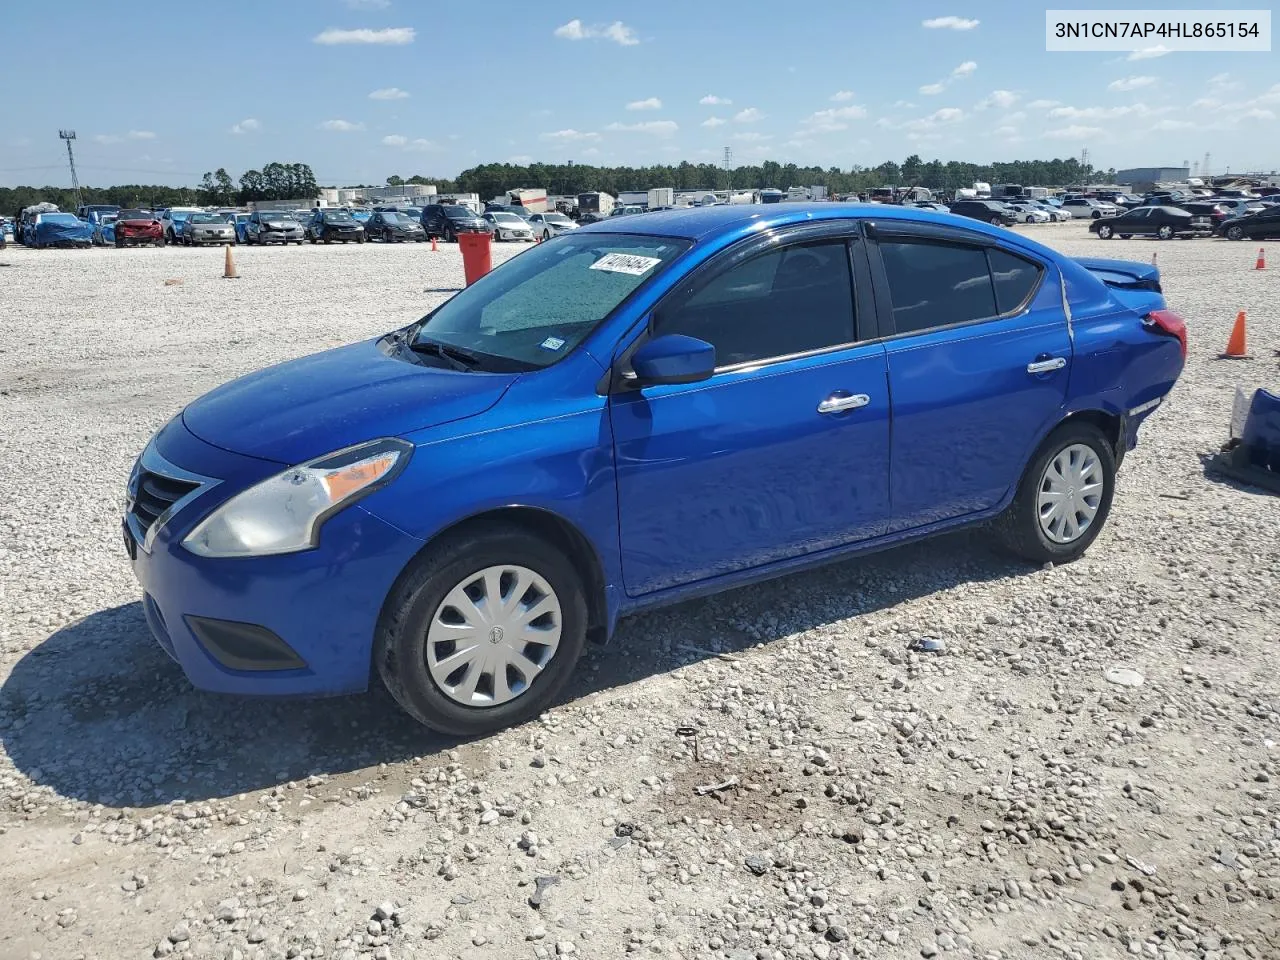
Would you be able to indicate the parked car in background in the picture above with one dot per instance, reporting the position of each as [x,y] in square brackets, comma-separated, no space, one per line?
[1164,223]
[507,226]
[135,226]
[1056,214]
[361,216]
[104,228]
[326,226]
[548,225]
[202,228]
[1263,225]
[931,205]
[389,226]
[447,220]
[1240,208]
[1028,212]
[272,226]
[174,220]
[626,210]
[240,223]
[8,230]
[57,229]
[1216,212]
[90,211]
[458,505]
[1085,208]
[988,211]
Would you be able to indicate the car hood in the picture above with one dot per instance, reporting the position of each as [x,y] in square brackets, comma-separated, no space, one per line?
[304,408]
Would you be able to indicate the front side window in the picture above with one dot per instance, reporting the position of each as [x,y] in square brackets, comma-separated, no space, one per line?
[787,301]
[540,305]
[933,284]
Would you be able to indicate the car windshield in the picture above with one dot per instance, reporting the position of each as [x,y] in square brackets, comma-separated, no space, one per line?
[458,213]
[134,215]
[337,218]
[539,306]
[506,218]
[556,218]
[206,218]
[393,218]
[272,217]
[179,214]
[66,219]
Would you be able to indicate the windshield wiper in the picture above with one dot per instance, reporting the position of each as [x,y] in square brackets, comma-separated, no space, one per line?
[458,358]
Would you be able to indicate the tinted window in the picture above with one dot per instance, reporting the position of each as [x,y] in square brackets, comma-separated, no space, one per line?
[783,302]
[1013,277]
[935,284]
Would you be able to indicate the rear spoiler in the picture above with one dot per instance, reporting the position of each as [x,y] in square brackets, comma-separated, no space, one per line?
[1123,274]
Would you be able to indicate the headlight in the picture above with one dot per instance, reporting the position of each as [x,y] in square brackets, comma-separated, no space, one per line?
[284,513]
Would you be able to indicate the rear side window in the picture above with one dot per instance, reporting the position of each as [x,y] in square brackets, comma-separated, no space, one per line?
[938,284]
[788,301]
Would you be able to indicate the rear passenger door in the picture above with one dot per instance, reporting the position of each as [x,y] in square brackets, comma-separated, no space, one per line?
[978,355]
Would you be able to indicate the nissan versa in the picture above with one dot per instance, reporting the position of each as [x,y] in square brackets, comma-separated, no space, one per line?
[639,411]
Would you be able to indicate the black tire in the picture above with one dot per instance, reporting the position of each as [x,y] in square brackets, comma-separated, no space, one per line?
[546,235]
[1165,232]
[1234,232]
[361,238]
[399,648]
[1104,231]
[386,236]
[1097,215]
[449,235]
[119,242]
[162,242]
[994,221]
[1125,236]
[326,240]
[1018,528]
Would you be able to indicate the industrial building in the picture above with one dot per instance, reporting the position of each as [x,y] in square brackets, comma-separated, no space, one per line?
[1142,179]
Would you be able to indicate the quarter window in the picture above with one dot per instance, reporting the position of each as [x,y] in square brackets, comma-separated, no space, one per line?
[940,284]
[788,301]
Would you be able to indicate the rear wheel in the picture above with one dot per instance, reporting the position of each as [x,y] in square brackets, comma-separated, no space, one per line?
[482,632]
[1165,232]
[386,236]
[1235,232]
[119,242]
[1104,232]
[449,235]
[1064,497]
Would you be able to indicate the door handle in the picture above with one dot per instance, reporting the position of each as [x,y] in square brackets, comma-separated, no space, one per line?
[839,403]
[1047,366]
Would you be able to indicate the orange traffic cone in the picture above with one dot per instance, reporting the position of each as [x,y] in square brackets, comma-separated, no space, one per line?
[1262,260]
[1237,344]
[229,269]
[434,248]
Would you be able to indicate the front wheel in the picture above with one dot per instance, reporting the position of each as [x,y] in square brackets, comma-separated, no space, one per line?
[546,235]
[449,235]
[1064,497]
[1097,215]
[1104,232]
[483,632]
[360,239]
[1165,232]
[1235,233]
[386,236]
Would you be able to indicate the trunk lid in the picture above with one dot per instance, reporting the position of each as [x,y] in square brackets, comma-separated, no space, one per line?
[1134,284]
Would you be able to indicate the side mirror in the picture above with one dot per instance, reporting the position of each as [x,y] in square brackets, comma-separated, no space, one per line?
[673,358]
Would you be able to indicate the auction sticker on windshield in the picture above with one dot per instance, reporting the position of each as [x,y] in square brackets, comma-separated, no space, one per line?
[628,263]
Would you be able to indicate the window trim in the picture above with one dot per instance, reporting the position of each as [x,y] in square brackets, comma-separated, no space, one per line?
[891,230]
[620,377]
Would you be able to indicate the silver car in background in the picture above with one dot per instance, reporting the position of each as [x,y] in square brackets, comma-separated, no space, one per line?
[205,228]
[507,226]
[550,224]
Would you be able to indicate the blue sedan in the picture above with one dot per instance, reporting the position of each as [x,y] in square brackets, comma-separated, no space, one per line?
[640,411]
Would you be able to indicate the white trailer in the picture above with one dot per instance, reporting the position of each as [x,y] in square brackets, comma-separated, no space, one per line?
[535,201]
[661,197]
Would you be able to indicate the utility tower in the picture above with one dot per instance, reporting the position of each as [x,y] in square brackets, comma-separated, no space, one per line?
[69,135]
[728,169]
[1084,165]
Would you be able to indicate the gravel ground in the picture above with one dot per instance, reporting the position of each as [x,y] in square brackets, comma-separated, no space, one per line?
[1001,799]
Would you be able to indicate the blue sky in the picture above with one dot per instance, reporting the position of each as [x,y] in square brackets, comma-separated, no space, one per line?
[362,89]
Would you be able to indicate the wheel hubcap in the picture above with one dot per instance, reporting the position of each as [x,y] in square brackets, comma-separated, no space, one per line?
[492,635]
[1070,493]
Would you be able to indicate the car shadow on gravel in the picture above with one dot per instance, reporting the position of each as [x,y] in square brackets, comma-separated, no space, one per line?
[99,713]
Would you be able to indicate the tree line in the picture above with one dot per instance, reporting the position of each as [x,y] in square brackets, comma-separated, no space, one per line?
[296,181]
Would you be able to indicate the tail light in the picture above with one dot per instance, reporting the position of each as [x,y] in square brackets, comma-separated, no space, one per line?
[1168,323]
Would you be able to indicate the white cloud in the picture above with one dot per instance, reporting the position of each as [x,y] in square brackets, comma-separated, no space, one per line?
[1016,117]
[341,126]
[617,31]
[1271,96]
[930,89]
[1006,132]
[965,69]
[521,159]
[1099,113]
[999,98]
[711,100]
[246,126]
[652,103]
[140,135]
[713,122]
[657,128]
[1256,114]
[1125,84]
[1206,103]
[749,115]
[1149,53]
[591,152]
[947,115]
[389,93]
[833,119]
[1074,132]
[949,23]
[750,136]
[106,138]
[1173,125]
[393,36]
[569,136]
[394,140]
[840,96]
[418,145]
[903,105]
[1042,104]
[1222,82]
[368,4]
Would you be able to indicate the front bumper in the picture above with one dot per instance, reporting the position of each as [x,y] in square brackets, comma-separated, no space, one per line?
[512,235]
[299,624]
[279,236]
[198,238]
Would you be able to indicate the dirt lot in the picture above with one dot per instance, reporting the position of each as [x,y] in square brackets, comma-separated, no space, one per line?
[1001,799]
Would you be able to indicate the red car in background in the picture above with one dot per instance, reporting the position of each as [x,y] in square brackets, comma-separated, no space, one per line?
[138,226]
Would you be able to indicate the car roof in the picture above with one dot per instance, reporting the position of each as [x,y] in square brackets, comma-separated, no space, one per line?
[700,223]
